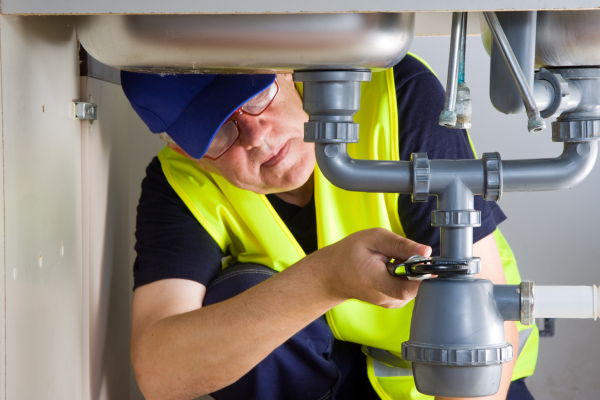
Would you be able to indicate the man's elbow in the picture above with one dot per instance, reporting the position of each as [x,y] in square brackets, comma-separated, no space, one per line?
[159,381]
[152,375]
[147,375]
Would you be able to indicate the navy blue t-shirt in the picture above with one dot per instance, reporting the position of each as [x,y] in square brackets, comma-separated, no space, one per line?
[171,243]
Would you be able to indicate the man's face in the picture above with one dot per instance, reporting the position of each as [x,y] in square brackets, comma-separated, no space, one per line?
[270,155]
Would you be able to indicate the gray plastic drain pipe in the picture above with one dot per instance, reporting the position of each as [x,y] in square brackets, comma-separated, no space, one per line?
[455,182]
[562,172]
[456,349]
[455,353]
[444,334]
[362,175]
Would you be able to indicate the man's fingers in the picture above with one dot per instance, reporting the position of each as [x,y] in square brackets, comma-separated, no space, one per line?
[401,289]
[391,268]
[423,250]
[398,247]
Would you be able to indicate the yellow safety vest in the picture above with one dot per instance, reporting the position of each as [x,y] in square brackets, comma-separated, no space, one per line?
[249,230]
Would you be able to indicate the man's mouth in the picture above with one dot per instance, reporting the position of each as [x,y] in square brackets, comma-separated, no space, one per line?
[277,156]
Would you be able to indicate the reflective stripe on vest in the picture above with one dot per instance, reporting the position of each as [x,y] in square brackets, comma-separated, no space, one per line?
[523,336]
[386,365]
[382,370]
[247,229]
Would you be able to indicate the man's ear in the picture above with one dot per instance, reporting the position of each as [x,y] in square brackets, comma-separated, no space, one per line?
[289,78]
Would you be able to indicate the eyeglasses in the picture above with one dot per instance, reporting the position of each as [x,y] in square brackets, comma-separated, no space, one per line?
[229,132]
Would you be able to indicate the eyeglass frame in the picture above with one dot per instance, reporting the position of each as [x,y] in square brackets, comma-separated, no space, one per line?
[233,118]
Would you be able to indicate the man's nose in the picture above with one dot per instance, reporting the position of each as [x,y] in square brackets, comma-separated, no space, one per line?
[252,131]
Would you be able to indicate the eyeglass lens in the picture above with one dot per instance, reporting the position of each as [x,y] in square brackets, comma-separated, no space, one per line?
[229,132]
[223,140]
[261,101]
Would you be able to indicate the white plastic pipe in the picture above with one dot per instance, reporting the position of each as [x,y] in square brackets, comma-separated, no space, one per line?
[566,302]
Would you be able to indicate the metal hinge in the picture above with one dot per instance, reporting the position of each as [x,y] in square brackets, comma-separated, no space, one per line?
[83,110]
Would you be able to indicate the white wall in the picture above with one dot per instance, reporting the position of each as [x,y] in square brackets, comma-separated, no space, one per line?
[554,234]
[70,189]
[42,204]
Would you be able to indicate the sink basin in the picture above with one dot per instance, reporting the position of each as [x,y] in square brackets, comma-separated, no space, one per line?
[246,43]
[563,38]
[567,38]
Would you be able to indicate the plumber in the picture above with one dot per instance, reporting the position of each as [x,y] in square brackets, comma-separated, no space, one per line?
[255,277]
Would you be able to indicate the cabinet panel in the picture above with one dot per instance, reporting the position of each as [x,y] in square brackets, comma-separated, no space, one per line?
[42,202]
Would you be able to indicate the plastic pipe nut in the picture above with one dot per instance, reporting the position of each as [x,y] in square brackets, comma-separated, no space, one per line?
[420,176]
[330,132]
[492,165]
[561,93]
[576,131]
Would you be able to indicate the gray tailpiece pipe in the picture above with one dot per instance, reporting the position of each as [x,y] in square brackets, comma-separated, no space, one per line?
[454,353]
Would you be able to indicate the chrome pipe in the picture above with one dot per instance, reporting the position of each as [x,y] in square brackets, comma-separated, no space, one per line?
[462,49]
[448,114]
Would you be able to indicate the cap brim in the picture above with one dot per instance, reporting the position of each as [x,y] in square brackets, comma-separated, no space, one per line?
[197,125]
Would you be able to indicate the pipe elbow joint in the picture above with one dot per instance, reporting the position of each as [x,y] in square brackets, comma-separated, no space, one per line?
[580,158]
[334,164]
[564,172]
[362,175]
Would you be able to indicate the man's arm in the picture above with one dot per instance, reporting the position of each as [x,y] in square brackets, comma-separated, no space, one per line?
[180,350]
[492,269]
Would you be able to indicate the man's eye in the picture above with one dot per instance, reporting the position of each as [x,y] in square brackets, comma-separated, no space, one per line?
[259,100]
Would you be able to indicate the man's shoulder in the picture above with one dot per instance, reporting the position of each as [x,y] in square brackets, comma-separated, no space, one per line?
[157,192]
[155,179]
[154,167]
[410,67]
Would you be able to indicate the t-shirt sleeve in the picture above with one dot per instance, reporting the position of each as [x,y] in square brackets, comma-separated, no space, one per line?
[420,100]
[170,242]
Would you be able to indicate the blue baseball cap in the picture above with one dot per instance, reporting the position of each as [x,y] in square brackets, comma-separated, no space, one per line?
[190,107]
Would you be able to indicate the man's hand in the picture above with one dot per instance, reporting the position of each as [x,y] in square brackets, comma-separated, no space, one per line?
[180,350]
[355,267]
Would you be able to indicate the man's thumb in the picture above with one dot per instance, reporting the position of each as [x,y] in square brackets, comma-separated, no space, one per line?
[400,248]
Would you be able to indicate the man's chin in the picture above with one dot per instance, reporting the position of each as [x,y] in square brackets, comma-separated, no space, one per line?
[287,185]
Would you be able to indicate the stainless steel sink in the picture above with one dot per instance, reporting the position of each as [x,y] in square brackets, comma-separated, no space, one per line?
[563,38]
[242,43]
[567,38]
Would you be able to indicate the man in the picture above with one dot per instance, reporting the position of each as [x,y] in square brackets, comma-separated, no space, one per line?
[248,332]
